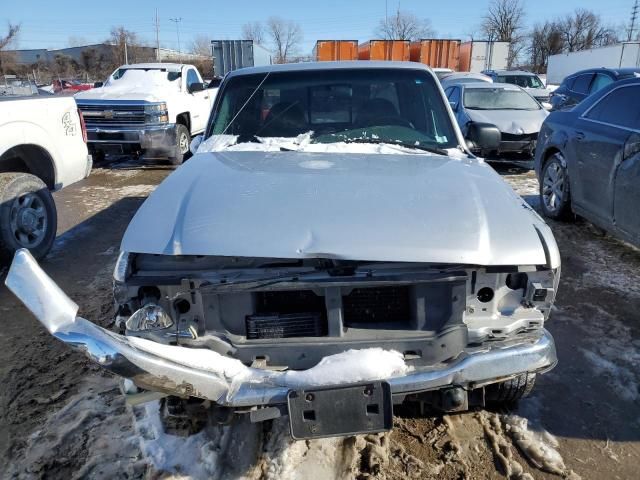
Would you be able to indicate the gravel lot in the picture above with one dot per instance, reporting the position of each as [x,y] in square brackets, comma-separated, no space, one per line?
[61,417]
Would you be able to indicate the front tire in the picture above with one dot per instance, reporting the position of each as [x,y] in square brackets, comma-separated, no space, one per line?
[183,140]
[28,216]
[509,392]
[555,194]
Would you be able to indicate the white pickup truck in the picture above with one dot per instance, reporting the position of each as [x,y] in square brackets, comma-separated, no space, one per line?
[151,108]
[42,149]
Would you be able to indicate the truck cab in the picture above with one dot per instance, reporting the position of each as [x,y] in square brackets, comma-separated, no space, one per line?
[151,108]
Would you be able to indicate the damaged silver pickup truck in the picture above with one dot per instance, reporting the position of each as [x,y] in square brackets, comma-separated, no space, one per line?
[332,249]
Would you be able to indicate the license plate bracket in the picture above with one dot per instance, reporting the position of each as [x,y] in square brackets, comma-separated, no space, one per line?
[340,410]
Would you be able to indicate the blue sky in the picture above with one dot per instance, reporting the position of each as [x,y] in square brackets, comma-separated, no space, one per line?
[51,23]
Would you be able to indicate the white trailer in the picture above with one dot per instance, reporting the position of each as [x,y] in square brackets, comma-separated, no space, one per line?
[477,56]
[621,55]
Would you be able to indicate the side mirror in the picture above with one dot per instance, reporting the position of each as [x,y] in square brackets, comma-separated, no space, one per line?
[454,106]
[195,143]
[485,136]
[98,84]
[196,87]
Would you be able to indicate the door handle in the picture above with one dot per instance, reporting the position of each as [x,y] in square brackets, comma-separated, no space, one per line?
[579,136]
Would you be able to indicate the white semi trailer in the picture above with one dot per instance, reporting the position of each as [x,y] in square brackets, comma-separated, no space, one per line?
[621,55]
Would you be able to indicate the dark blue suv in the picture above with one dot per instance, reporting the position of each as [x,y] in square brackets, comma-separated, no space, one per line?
[580,85]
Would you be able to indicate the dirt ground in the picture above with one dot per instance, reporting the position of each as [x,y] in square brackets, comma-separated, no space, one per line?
[61,417]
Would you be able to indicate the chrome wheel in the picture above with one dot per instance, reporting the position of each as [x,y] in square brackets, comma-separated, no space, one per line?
[28,220]
[554,185]
[183,143]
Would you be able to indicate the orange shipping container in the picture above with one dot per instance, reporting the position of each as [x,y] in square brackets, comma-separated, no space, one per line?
[397,50]
[332,50]
[436,53]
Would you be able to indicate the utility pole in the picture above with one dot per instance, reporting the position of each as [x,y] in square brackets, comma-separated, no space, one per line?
[634,16]
[177,22]
[126,53]
[157,25]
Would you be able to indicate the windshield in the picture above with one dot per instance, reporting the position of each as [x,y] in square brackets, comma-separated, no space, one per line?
[524,81]
[498,99]
[156,76]
[360,105]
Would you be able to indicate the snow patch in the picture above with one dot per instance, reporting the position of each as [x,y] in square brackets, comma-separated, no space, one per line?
[345,367]
[302,143]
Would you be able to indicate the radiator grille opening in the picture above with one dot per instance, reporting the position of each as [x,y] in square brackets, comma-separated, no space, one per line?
[288,314]
[377,305]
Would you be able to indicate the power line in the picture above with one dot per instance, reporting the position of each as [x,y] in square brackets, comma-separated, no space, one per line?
[177,22]
[157,25]
[634,16]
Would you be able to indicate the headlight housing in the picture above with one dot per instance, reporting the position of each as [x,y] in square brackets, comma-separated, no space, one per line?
[156,113]
[149,317]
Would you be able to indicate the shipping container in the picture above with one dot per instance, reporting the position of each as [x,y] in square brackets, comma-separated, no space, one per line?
[437,53]
[397,50]
[334,50]
[477,56]
[621,55]
[231,55]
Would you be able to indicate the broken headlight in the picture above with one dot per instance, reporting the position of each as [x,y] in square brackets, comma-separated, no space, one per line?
[122,268]
[149,317]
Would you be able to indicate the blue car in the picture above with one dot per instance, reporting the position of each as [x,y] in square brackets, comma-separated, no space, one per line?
[588,161]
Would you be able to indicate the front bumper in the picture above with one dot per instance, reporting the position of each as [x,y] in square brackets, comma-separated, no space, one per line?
[156,138]
[116,353]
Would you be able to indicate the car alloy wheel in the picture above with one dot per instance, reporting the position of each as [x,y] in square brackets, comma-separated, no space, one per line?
[183,143]
[554,186]
[29,220]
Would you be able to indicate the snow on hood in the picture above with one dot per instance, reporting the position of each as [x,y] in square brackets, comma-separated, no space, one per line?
[357,206]
[346,367]
[511,121]
[302,143]
[147,85]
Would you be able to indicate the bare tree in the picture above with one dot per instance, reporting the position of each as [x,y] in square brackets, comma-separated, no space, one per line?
[546,40]
[5,41]
[583,30]
[201,45]
[286,36]
[253,31]
[404,26]
[504,22]
[127,46]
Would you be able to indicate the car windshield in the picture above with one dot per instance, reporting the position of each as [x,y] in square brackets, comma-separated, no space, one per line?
[345,105]
[524,81]
[152,75]
[498,99]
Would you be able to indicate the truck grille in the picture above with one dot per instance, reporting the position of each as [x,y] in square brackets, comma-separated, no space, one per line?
[289,325]
[104,115]
[286,314]
[377,305]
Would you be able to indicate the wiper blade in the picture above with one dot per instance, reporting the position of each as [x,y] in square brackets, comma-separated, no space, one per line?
[398,143]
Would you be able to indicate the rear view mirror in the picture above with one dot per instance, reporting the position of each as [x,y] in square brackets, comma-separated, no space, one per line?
[485,136]
[196,87]
[98,84]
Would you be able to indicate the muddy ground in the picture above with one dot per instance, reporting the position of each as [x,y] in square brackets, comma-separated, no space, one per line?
[60,417]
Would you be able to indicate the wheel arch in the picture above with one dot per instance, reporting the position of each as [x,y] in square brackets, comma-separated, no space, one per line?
[184,118]
[30,158]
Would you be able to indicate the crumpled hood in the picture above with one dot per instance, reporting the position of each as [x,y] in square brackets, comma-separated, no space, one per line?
[413,208]
[511,121]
